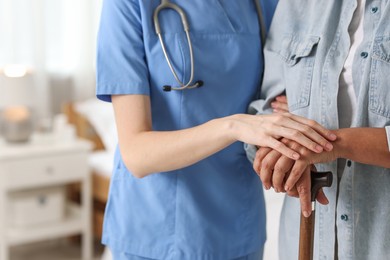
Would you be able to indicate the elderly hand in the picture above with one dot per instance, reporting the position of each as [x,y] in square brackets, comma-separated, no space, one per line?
[280,105]
[286,175]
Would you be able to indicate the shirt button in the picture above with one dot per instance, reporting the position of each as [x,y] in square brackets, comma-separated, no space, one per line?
[349,163]
[344,217]
[364,54]
[374,10]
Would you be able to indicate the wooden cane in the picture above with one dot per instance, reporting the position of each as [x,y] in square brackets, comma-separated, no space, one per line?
[306,233]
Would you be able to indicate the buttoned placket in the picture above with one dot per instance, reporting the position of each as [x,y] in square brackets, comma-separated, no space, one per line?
[336,57]
[345,208]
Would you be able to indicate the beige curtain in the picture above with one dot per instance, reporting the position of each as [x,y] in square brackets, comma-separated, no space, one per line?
[56,40]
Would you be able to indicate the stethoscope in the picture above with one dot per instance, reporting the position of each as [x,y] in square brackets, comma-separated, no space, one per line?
[166,4]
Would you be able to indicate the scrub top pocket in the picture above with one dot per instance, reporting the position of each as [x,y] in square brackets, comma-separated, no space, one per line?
[298,55]
[379,94]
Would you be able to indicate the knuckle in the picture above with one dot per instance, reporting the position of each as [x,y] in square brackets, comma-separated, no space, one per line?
[304,152]
[307,129]
[279,146]
[262,152]
[302,190]
[295,133]
[295,173]
[265,165]
[295,146]
[278,169]
[312,123]
[285,141]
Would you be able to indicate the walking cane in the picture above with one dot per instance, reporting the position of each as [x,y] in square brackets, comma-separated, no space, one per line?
[306,233]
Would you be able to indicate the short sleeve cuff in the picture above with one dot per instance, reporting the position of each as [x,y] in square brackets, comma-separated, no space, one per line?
[388,136]
[105,91]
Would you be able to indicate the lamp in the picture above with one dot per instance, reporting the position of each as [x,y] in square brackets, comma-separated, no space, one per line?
[16,102]
[16,85]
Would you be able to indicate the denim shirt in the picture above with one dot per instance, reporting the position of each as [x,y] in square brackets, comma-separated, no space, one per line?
[305,53]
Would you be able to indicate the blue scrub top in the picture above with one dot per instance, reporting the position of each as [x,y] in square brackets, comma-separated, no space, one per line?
[213,209]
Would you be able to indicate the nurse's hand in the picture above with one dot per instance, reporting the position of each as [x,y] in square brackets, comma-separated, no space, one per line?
[267,130]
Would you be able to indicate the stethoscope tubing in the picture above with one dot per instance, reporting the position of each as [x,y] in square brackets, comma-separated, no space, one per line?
[165,4]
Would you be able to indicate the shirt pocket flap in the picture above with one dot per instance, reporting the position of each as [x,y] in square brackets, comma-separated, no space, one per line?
[293,48]
[382,51]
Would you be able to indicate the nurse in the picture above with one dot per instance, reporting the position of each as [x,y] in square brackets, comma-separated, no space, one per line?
[182,187]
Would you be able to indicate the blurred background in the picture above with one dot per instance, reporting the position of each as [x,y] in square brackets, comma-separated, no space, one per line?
[56,140]
[54,166]
[55,41]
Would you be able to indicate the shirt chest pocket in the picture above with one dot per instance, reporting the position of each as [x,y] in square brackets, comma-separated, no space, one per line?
[298,55]
[379,94]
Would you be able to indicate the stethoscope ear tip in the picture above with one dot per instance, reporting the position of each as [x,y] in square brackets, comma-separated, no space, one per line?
[199,83]
[167,88]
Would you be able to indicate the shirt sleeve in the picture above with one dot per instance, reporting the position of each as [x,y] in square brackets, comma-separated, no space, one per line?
[121,62]
[388,136]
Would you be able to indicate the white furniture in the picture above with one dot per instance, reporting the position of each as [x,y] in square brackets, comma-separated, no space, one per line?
[39,166]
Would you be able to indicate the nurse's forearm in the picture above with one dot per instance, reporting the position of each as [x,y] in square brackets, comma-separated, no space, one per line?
[364,145]
[145,151]
[152,151]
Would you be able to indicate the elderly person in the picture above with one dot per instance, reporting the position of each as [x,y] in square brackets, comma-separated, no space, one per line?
[332,60]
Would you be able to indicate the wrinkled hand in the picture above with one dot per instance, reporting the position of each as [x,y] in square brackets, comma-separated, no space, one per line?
[307,158]
[280,105]
[286,175]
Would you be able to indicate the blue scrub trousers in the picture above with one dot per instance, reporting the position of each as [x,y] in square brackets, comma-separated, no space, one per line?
[123,256]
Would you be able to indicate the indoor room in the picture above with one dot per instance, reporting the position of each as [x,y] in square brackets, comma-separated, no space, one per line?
[58,141]
[51,203]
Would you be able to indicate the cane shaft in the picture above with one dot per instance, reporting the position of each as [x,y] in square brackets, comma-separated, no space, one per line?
[306,237]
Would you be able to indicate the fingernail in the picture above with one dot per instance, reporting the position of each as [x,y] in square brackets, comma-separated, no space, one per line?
[306,214]
[333,136]
[329,146]
[276,190]
[319,148]
[296,156]
[287,188]
[266,187]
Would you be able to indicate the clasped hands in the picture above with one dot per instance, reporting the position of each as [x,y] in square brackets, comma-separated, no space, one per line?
[288,175]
